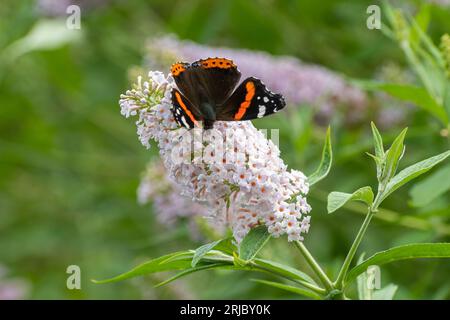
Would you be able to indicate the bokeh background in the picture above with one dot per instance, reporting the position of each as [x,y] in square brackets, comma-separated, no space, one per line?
[70,164]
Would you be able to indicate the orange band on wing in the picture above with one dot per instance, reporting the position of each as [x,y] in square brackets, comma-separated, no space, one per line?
[221,63]
[250,87]
[186,110]
[177,68]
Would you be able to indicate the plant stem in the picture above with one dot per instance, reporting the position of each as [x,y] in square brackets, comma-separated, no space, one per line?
[314,265]
[348,259]
[303,283]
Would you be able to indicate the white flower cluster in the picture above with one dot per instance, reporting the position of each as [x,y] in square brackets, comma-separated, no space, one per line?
[232,169]
[168,202]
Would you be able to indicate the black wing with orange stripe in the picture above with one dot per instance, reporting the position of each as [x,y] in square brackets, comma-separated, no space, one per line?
[250,100]
[183,111]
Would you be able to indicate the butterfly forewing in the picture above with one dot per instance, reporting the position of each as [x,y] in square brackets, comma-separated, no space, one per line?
[183,112]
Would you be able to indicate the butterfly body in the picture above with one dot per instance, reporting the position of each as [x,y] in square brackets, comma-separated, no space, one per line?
[207,93]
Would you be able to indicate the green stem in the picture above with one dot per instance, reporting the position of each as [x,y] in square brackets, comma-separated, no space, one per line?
[314,265]
[348,259]
[303,283]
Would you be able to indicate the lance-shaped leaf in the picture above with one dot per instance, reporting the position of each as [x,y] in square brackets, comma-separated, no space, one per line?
[393,156]
[325,162]
[379,156]
[430,188]
[171,262]
[282,270]
[253,242]
[338,199]
[377,141]
[154,265]
[406,92]
[192,270]
[412,172]
[286,287]
[409,251]
[200,252]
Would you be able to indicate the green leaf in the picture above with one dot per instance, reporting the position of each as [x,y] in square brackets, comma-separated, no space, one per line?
[227,246]
[379,150]
[377,141]
[156,265]
[253,243]
[296,290]
[201,251]
[412,172]
[417,95]
[409,251]
[175,261]
[325,163]
[385,293]
[45,35]
[191,270]
[283,270]
[338,199]
[393,156]
[431,188]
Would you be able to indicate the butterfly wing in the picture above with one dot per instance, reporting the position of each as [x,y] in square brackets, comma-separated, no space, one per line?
[186,82]
[210,80]
[250,100]
[216,77]
[183,112]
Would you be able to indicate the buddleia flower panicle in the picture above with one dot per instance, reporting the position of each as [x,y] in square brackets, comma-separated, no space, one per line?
[170,205]
[232,169]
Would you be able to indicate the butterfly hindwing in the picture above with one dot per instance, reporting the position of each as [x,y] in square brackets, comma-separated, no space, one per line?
[250,100]
[183,112]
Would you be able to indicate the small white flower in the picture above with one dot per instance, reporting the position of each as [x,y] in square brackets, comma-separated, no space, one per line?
[276,229]
[295,235]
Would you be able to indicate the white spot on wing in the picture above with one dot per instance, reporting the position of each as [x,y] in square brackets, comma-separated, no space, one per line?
[261,111]
[266,99]
[184,122]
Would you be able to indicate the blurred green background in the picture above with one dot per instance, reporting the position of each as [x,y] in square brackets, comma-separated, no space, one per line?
[70,163]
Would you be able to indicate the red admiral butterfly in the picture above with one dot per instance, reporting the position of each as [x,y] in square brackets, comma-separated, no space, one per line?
[206,94]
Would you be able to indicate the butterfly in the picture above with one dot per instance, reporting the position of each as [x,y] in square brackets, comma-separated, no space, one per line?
[207,93]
